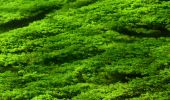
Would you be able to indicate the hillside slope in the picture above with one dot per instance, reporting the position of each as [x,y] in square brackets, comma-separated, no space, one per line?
[84,49]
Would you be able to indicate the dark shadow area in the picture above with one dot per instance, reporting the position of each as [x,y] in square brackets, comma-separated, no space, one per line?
[150,31]
[72,56]
[66,94]
[12,67]
[13,24]
[142,34]
[128,96]
[122,77]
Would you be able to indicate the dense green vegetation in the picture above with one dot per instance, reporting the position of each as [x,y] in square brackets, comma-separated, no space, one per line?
[84,49]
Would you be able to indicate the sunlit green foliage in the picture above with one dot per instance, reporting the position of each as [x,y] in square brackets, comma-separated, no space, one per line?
[84,49]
